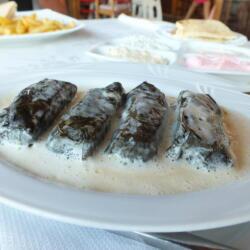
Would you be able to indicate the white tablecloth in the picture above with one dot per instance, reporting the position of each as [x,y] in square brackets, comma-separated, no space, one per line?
[20,230]
[23,231]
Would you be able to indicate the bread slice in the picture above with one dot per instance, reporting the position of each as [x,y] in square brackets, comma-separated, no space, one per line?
[212,30]
[8,10]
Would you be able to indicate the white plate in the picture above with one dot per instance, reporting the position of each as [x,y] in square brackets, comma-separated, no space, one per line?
[210,208]
[198,47]
[45,13]
[99,51]
[166,31]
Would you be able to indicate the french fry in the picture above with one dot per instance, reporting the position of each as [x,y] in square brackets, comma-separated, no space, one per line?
[20,28]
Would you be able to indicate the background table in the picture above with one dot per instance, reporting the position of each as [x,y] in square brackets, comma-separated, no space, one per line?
[20,230]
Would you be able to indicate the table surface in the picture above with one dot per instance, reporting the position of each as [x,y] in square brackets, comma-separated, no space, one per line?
[20,230]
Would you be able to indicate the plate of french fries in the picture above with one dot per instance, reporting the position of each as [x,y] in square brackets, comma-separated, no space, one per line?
[37,25]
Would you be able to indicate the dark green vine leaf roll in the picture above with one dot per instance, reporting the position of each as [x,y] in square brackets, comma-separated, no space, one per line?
[34,109]
[200,136]
[142,121]
[83,128]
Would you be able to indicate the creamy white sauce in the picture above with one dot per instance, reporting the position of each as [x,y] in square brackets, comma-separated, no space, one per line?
[109,174]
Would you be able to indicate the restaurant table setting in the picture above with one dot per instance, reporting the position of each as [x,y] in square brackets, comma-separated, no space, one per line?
[108,47]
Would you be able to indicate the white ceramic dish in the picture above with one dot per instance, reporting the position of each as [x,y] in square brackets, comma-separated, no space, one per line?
[198,47]
[210,208]
[99,51]
[166,31]
[45,13]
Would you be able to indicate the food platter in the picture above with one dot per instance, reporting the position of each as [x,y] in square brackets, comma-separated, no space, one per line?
[205,209]
[51,15]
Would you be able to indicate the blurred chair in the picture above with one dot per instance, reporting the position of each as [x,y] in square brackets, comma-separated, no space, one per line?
[154,9]
[137,8]
[74,8]
[149,9]
[87,8]
[112,8]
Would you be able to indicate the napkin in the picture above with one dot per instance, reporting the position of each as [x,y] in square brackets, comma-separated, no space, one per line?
[139,22]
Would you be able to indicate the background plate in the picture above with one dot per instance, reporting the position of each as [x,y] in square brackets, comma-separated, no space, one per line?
[210,208]
[45,13]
